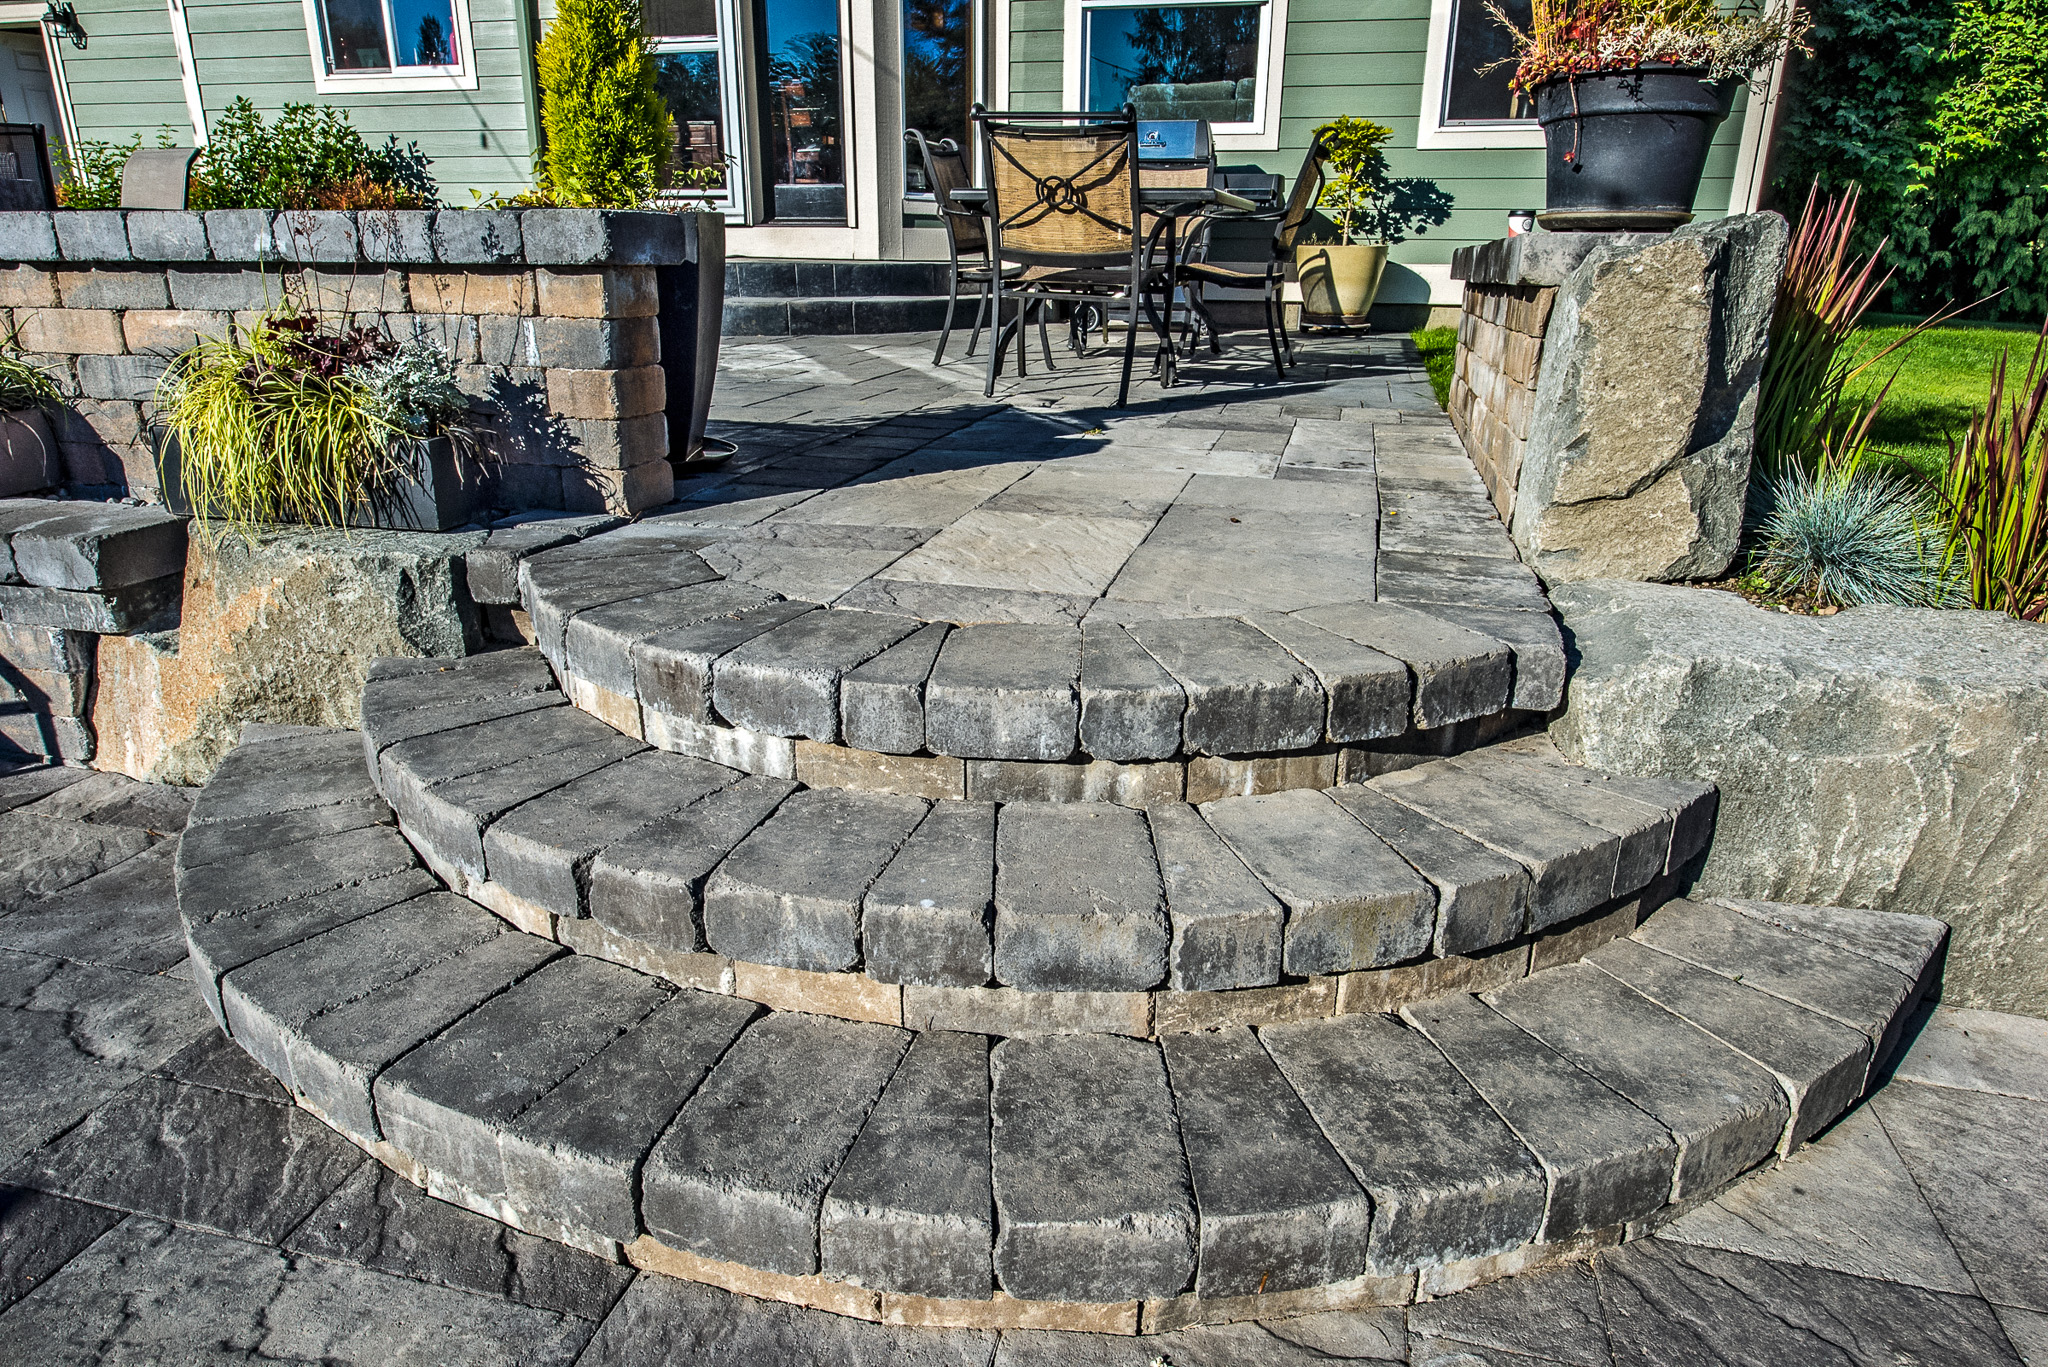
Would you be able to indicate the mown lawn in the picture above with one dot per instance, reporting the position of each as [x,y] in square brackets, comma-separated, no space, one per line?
[1942,379]
[1439,347]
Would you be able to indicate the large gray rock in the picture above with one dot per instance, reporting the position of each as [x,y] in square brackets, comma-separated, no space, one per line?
[1637,464]
[1882,757]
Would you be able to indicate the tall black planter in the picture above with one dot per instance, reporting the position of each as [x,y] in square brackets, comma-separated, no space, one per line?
[1625,149]
[692,308]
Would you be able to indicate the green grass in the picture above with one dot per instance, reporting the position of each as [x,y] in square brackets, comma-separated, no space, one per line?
[1943,377]
[1439,347]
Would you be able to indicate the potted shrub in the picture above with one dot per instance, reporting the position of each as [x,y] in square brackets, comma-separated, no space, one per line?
[1340,279]
[285,422]
[1629,93]
[28,451]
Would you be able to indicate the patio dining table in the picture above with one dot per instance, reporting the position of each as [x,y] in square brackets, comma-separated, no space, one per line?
[1169,204]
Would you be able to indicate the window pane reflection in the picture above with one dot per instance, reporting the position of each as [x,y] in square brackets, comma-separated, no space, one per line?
[688,82]
[423,31]
[680,18]
[1478,40]
[1176,61]
[807,156]
[355,36]
[937,38]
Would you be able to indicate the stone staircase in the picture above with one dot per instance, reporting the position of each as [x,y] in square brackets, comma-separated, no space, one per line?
[836,298]
[1015,1064]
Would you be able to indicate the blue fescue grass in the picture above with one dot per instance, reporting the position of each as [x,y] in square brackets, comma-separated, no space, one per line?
[1854,540]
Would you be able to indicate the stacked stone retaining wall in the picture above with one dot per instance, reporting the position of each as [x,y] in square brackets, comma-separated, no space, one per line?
[551,316]
[1493,389]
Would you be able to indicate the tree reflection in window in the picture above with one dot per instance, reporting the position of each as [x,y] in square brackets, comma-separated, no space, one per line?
[937,38]
[1176,61]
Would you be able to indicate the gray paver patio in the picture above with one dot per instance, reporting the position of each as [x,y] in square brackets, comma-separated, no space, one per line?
[161,1201]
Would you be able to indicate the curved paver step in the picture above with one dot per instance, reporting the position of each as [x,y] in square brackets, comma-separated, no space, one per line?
[1063,1181]
[572,830]
[647,633]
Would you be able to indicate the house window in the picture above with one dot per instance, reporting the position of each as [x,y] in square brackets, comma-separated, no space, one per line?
[370,45]
[1178,61]
[938,71]
[1481,62]
[687,72]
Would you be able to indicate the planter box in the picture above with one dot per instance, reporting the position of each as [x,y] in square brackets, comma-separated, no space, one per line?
[432,497]
[28,453]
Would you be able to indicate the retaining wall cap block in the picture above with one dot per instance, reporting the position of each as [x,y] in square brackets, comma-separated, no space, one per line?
[240,234]
[1538,258]
[926,919]
[397,236]
[1226,925]
[28,235]
[99,546]
[317,236]
[477,236]
[92,234]
[1079,905]
[585,237]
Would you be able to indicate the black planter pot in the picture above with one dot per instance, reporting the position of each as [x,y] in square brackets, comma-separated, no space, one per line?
[1625,149]
[432,496]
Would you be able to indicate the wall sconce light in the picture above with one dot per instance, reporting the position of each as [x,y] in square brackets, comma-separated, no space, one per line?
[64,18]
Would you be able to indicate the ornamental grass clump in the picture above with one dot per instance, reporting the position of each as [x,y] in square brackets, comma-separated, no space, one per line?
[1996,494]
[287,422]
[1853,540]
[22,385]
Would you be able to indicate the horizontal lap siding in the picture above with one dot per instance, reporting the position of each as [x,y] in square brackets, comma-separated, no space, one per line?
[1372,67]
[478,139]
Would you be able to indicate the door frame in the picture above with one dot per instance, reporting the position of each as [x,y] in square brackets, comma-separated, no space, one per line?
[20,14]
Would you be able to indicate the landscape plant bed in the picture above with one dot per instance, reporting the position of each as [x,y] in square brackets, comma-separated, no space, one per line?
[429,493]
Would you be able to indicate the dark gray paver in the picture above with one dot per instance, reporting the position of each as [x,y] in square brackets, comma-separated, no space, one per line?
[1368,690]
[1079,905]
[211,1159]
[1571,864]
[380,1221]
[672,666]
[1820,1063]
[89,546]
[337,1055]
[1857,991]
[541,850]
[1005,692]
[599,642]
[157,1293]
[1482,898]
[574,1155]
[39,1233]
[928,917]
[383,729]
[213,1060]
[449,1102]
[126,917]
[21,786]
[742,1172]
[1131,708]
[1606,1162]
[1227,928]
[1691,803]
[1897,940]
[785,682]
[556,587]
[110,799]
[1279,1210]
[1352,902]
[446,753]
[1534,637]
[41,855]
[1245,693]
[910,1209]
[396,687]
[237,837]
[881,702]
[650,885]
[1727,1114]
[1448,1178]
[492,569]
[1091,1186]
[1459,673]
[790,893]
[1644,831]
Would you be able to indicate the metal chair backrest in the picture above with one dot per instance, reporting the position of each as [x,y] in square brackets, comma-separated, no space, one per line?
[945,170]
[1308,188]
[160,178]
[1063,187]
[25,178]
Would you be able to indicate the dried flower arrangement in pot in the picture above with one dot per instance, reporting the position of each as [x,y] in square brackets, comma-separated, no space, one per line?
[1629,93]
[285,422]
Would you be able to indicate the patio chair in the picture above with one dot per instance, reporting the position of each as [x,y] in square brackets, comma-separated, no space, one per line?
[1063,204]
[945,170]
[1196,273]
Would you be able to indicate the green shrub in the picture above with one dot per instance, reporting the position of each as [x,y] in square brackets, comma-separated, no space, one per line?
[608,133]
[89,175]
[1854,539]
[309,158]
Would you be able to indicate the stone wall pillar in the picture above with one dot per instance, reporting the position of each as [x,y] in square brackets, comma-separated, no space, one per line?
[1606,388]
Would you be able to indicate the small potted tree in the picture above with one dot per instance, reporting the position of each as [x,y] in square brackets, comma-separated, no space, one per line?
[1339,280]
[1629,93]
[287,422]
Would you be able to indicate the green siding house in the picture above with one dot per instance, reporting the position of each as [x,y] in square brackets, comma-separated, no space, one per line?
[792,111]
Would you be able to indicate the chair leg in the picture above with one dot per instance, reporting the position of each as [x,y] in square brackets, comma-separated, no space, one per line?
[946,330]
[1280,311]
[980,314]
[1273,340]
[1123,389]
[1044,341]
[995,339]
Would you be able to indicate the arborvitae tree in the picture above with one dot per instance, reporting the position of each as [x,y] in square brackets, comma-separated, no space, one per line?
[608,133]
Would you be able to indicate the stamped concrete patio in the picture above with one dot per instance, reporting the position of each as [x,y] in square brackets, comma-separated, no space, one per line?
[162,1200]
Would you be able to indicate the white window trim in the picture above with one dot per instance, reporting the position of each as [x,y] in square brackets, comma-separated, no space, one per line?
[1260,135]
[462,77]
[1432,131]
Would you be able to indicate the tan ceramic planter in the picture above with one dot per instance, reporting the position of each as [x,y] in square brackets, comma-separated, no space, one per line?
[1338,284]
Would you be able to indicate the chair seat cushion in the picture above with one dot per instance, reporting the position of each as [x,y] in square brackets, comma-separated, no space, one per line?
[1227,276]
